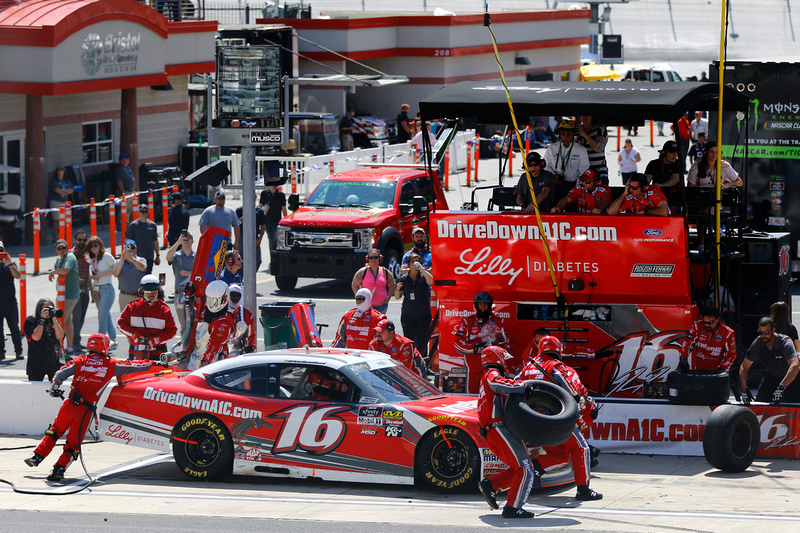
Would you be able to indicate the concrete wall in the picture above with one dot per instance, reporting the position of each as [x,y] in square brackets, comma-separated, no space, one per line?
[27,408]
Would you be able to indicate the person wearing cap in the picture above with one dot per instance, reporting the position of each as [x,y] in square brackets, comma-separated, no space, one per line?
[81,252]
[129,270]
[67,267]
[565,158]
[181,256]
[590,196]
[222,217]
[399,348]
[178,218]
[697,149]
[145,233]
[58,194]
[698,125]
[704,172]
[666,170]
[594,139]
[147,322]
[243,339]
[9,308]
[640,199]
[544,184]
[126,183]
[420,248]
[233,265]
[357,327]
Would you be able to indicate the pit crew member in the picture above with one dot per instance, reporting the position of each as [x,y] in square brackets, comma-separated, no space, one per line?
[148,322]
[399,348]
[640,198]
[244,338]
[544,185]
[711,343]
[776,353]
[214,328]
[357,327]
[547,366]
[518,478]
[590,195]
[477,331]
[91,374]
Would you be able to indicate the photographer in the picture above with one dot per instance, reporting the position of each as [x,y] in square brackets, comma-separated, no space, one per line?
[130,269]
[44,337]
[181,257]
[415,314]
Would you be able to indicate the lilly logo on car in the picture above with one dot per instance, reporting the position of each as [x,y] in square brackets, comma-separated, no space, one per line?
[653,232]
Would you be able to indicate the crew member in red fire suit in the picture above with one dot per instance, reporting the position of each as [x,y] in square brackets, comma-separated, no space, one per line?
[477,331]
[547,366]
[214,327]
[711,344]
[518,478]
[357,327]
[244,338]
[399,348]
[91,374]
[148,322]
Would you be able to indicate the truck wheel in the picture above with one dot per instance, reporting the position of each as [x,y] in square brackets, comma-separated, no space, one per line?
[544,416]
[202,447]
[450,464]
[391,260]
[699,387]
[286,283]
[731,438]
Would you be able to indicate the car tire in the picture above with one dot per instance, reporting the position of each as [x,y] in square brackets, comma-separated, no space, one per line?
[544,416]
[731,438]
[391,260]
[449,463]
[699,387]
[286,283]
[202,447]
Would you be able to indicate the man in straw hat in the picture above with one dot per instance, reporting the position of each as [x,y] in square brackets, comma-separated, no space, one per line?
[566,159]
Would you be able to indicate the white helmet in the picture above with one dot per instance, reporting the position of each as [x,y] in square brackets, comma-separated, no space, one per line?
[149,283]
[234,288]
[216,296]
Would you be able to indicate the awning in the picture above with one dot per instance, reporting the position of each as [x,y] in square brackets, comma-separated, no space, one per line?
[349,80]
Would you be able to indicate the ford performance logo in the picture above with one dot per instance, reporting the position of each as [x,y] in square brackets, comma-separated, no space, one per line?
[653,232]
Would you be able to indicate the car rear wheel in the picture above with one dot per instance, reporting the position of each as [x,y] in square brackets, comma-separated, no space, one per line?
[286,283]
[202,447]
[448,462]
[731,438]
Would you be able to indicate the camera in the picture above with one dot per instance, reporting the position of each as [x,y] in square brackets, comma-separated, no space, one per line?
[55,313]
[184,233]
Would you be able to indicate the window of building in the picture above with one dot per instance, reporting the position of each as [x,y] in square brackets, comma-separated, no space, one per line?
[98,142]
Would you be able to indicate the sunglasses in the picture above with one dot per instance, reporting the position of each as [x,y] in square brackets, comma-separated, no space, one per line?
[708,322]
[371,258]
[764,333]
[634,188]
[59,248]
[95,245]
[589,180]
[360,298]
[80,240]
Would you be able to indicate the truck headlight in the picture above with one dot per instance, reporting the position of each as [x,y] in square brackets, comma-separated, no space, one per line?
[282,238]
[364,239]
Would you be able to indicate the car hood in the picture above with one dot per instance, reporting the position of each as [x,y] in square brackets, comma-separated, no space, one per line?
[327,217]
[454,408]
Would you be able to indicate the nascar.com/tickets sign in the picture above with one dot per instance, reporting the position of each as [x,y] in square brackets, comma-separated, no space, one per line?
[631,259]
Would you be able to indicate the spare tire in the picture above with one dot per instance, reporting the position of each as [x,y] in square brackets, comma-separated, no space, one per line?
[699,387]
[544,416]
[731,439]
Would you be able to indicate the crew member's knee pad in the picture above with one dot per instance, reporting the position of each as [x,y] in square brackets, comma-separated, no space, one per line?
[52,434]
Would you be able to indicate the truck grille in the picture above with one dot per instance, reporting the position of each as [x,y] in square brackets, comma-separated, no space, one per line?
[323,240]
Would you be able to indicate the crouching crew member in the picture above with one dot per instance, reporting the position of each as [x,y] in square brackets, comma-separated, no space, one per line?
[400,348]
[547,366]
[244,338]
[357,327]
[776,353]
[148,322]
[711,344]
[214,327]
[518,478]
[91,374]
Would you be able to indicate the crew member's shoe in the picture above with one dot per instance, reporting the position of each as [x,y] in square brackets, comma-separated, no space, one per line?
[586,494]
[57,474]
[513,512]
[487,489]
[34,461]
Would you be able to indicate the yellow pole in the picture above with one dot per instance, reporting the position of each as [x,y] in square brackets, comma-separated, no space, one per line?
[718,181]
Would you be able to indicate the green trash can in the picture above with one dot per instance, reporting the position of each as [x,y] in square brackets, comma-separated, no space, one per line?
[278,332]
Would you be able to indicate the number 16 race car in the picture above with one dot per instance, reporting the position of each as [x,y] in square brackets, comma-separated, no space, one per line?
[327,413]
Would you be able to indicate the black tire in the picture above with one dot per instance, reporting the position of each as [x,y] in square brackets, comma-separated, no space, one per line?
[391,260]
[699,387]
[544,416]
[731,438]
[451,465]
[202,447]
[286,283]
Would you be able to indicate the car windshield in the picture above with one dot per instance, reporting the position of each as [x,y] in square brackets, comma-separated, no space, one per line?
[338,193]
[391,381]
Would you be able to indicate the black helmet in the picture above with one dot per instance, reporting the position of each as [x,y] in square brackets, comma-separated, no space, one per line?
[483,298]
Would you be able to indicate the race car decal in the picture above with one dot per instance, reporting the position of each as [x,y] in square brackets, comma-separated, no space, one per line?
[314,430]
[124,428]
[198,404]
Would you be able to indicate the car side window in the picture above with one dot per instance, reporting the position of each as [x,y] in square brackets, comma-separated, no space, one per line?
[426,188]
[256,380]
[407,193]
[319,383]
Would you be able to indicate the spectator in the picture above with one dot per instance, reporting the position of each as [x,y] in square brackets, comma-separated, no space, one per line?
[627,159]
[233,264]
[565,158]
[357,327]
[780,315]
[102,269]
[711,344]
[9,309]
[417,141]
[346,131]
[639,198]
[535,135]
[178,218]
[403,125]
[44,335]
[80,251]
[666,170]
[181,256]
[60,189]
[130,269]
[420,248]
[147,322]
[261,229]
[590,196]
[415,313]
[67,267]
[126,183]
[399,348]
[684,134]
[704,172]
[145,233]
[698,148]
[594,139]
[544,185]
[698,125]
[375,278]
[273,203]
[222,217]
[777,354]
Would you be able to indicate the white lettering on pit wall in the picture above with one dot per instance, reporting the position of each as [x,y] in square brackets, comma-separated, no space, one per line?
[497,266]
[554,231]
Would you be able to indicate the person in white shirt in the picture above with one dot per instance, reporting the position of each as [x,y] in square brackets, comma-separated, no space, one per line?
[627,159]
[566,159]
[699,124]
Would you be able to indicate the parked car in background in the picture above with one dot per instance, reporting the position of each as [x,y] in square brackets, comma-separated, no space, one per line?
[653,74]
[369,131]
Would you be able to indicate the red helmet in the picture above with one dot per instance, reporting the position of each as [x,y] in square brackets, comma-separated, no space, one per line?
[98,342]
[550,344]
[494,356]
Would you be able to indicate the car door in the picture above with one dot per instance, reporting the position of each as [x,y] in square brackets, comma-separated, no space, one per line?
[408,220]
